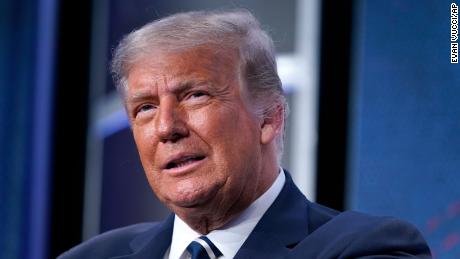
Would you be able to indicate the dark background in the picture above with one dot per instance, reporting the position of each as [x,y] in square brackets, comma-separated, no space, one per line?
[387,128]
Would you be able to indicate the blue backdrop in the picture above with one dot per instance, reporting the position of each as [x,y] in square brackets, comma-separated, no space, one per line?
[404,158]
[26,72]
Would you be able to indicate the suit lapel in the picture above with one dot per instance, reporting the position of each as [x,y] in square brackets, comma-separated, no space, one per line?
[281,228]
[153,243]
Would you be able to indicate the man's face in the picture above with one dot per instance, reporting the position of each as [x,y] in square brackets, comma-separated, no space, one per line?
[198,140]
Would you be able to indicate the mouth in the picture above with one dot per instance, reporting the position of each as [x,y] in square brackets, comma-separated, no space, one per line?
[183,161]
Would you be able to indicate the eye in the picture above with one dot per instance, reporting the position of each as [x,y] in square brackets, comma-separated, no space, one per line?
[145,108]
[196,98]
[197,94]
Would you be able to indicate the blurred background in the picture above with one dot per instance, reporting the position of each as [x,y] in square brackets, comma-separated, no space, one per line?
[374,123]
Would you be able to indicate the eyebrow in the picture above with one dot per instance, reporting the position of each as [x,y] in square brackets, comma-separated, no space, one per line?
[138,97]
[184,85]
[178,88]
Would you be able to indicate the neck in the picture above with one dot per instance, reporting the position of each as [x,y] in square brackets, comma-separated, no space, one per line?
[217,213]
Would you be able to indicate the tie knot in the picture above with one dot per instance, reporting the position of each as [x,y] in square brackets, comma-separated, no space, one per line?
[203,248]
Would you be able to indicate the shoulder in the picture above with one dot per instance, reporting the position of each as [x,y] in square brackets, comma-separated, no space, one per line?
[357,235]
[364,235]
[113,242]
[356,226]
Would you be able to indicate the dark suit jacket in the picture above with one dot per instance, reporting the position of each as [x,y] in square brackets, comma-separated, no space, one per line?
[292,227]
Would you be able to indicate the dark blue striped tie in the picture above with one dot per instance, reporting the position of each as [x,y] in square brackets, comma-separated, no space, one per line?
[203,248]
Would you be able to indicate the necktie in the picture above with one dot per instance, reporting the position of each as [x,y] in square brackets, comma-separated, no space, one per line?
[203,248]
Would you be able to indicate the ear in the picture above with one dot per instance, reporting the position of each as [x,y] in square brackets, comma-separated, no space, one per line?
[272,125]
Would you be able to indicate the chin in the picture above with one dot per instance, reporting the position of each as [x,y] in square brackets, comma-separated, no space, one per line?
[193,198]
[188,202]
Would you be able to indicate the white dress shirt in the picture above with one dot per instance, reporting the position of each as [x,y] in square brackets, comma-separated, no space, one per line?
[232,235]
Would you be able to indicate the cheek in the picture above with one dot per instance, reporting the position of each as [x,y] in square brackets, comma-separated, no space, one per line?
[211,125]
[145,142]
[230,132]
[200,119]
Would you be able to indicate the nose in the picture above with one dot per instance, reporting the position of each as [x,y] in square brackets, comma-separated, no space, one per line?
[170,125]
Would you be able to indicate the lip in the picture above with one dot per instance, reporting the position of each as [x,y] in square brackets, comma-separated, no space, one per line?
[190,166]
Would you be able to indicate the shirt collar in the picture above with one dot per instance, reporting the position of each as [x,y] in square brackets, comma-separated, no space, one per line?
[232,235]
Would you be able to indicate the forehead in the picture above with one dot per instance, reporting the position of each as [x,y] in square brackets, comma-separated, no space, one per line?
[199,63]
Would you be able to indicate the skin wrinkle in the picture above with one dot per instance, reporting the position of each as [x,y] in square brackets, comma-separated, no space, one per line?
[225,50]
[240,158]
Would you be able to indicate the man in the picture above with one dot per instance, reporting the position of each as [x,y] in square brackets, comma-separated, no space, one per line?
[207,113]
